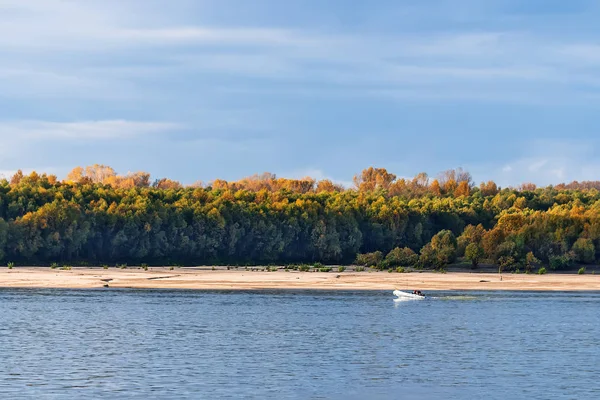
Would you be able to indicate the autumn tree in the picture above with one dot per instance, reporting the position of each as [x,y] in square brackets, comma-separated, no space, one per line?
[435,188]
[166,184]
[373,178]
[326,185]
[527,186]
[488,188]
[471,235]
[463,189]
[16,178]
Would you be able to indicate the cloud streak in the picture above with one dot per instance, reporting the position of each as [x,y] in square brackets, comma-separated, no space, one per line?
[84,130]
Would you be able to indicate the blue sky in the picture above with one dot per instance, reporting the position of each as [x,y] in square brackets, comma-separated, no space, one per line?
[204,89]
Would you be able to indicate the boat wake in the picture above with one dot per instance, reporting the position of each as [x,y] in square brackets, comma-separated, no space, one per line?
[407,296]
[457,298]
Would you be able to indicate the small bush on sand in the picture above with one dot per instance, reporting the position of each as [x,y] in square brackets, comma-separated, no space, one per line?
[10,265]
[325,269]
[542,271]
[400,270]
[341,269]
[581,271]
[359,269]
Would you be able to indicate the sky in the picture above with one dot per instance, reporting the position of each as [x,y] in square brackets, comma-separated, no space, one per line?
[204,89]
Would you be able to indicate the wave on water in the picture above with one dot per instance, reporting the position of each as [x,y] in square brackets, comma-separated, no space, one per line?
[456,298]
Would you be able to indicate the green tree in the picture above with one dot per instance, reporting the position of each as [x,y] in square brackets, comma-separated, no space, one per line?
[585,251]
[474,253]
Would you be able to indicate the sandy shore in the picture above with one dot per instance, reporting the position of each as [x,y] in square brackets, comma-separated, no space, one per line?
[197,278]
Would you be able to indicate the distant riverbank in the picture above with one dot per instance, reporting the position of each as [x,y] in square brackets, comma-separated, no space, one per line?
[204,278]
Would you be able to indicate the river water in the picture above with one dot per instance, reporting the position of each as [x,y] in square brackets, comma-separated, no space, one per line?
[160,344]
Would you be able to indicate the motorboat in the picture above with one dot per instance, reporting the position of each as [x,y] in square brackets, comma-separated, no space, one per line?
[401,296]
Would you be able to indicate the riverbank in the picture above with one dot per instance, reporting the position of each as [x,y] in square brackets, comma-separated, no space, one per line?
[222,279]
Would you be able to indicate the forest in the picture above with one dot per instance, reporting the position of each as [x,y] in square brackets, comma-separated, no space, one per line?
[96,216]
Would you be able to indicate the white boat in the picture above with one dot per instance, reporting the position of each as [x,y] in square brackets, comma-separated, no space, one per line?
[401,296]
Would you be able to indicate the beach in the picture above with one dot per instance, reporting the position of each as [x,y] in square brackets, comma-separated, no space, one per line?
[203,278]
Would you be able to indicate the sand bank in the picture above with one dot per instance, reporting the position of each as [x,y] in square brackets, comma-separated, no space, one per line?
[203,278]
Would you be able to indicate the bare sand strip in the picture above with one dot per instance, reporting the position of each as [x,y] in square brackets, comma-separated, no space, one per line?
[203,279]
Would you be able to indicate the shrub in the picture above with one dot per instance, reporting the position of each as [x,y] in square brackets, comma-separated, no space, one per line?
[144,265]
[542,271]
[145,268]
[561,262]
[341,269]
[581,271]
[318,265]
[213,268]
[401,256]
[66,268]
[359,269]
[369,259]
[105,266]
[325,269]
[10,265]
[400,270]
[171,268]
[304,268]
[54,266]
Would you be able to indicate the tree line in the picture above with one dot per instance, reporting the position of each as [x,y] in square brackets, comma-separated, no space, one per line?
[98,216]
